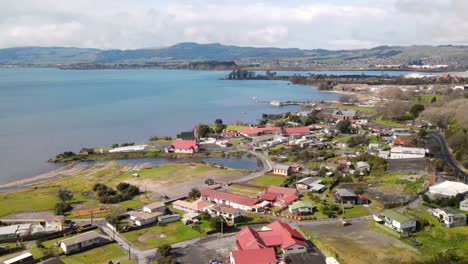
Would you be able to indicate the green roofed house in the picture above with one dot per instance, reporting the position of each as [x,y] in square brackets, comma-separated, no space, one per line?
[301,207]
[398,222]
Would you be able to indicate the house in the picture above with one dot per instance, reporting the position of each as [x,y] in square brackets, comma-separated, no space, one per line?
[287,200]
[464,205]
[154,207]
[253,256]
[144,218]
[226,212]
[384,154]
[193,207]
[405,141]
[183,146]
[128,149]
[407,153]
[280,192]
[189,135]
[83,241]
[362,166]
[301,207]
[310,183]
[448,189]
[23,258]
[449,216]
[164,219]
[282,170]
[339,115]
[277,235]
[345,196]
[229,134]
[15,231]
[233,200]
[297,131]
[398,222]
[55,222]
[361,199]
[257,131]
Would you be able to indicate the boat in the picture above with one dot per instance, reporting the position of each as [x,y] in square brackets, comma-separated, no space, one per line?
[276,103]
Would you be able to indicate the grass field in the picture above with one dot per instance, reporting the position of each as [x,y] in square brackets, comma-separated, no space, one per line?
[26,200]
[267,180]
[426,99]
[244,190]
[438,238]
[96,255]
[387,122]
[171,233]
[229,126]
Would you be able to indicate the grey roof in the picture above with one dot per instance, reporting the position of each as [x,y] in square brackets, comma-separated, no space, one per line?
[450,210]
[162,217]
[82,237]
[282,167]
[345,112]
[345,192]
[13,229]
[361,164]
[51,261]
[309,180]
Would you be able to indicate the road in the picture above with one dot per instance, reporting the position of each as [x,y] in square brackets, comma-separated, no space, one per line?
[267,166]
[446,156]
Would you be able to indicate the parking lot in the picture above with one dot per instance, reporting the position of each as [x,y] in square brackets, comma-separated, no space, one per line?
[206,250]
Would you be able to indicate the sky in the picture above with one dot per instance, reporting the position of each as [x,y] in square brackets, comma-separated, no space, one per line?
[132,24]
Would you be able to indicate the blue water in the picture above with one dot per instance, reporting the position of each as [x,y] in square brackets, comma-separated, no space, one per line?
[47,111]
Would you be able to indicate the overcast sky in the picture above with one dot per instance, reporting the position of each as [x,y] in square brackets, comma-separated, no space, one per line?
[131,24]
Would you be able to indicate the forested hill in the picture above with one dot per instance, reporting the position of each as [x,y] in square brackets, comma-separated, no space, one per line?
[36,56]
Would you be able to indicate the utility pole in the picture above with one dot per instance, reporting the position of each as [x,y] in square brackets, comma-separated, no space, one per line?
[129,253]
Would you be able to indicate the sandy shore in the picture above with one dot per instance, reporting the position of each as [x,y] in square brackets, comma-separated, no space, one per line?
[66,170]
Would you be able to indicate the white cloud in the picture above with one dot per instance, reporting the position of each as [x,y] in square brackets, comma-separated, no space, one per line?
[130,24]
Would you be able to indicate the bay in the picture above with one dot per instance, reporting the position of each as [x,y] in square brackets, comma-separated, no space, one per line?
[47,111]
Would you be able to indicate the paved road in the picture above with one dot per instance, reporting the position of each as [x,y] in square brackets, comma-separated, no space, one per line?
[267,166]
[445,155]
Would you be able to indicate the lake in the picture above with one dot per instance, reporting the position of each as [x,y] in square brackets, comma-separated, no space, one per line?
[47,111]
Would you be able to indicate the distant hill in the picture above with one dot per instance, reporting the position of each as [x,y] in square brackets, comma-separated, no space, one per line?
[189,52]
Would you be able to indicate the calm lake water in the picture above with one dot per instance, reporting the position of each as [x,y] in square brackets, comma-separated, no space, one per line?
[47,111]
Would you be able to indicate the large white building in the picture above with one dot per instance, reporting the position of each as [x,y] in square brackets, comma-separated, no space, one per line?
[407,153]
[448,188]
[83,241]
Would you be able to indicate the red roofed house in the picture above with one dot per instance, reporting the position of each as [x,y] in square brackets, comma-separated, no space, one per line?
[257,131]
[292,131]
[275,235]
[229,134]
[233,200]
[287,200]
[183,146]
[253,256]
[281,191]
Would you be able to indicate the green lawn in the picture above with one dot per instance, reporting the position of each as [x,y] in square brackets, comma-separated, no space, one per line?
[357,210]
[96,255]
[244,190]
[27,200]
[229,126]
[171,233]
[267,180]
[426,99]
[439,238]
[388,122]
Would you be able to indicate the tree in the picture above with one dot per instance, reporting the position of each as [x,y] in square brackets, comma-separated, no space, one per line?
[433,100]
[61,208]
[165,255]
[64,195]
[218,121]
[416,109]
[194,194]
[203,130]
[215,223]
[343,126]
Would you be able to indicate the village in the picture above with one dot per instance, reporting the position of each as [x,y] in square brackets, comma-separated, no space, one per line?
[332,173]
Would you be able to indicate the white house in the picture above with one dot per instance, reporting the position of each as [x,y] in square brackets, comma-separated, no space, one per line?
[310,183]
[362,166]
[144,218]
[226,212]
[398,222]
[83,241]
[449,216]
[407,153]
[193,207]
[464,205]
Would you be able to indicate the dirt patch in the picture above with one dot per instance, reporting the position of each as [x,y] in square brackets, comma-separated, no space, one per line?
[360,243]
[30,215]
